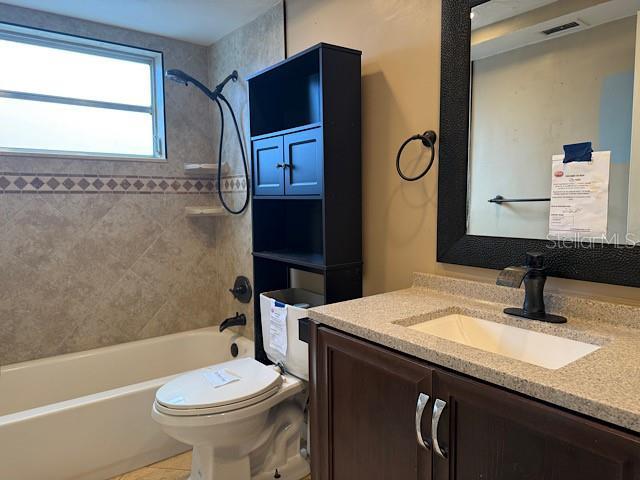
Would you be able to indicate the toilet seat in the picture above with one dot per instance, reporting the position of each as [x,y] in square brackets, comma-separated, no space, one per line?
[219,388]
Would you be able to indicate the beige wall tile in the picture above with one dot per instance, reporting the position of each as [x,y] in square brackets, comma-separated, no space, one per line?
[36,231]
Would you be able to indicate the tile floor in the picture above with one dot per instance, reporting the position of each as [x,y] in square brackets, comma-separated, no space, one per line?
[174,468]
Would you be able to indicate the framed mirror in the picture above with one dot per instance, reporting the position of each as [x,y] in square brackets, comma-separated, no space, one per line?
[540,136]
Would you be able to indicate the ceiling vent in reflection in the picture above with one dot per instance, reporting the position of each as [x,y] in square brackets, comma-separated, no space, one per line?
[564,28]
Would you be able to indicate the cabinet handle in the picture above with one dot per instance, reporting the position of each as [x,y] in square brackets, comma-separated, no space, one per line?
[438,408]
[423,399]
[281,165]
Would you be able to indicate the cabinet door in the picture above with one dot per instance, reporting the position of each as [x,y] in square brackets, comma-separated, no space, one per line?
[268,163]
[304,162]
[363,411]
[489,433]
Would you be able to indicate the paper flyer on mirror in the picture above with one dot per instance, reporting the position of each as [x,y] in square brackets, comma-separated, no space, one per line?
[579,198]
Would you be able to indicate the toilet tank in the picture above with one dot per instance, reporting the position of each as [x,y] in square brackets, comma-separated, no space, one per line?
[297,300]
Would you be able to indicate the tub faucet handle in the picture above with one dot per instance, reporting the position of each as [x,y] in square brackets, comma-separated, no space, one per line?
[241,290]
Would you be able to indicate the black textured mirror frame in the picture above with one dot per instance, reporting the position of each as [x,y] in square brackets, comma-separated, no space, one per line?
[603,263]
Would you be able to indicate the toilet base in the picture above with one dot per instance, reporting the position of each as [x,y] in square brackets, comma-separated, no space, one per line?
[263,443]
[296,468]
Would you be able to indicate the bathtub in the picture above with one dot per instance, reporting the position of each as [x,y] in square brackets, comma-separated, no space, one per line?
[87,415]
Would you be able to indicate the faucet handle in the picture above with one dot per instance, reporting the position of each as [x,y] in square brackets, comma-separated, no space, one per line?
[535,260]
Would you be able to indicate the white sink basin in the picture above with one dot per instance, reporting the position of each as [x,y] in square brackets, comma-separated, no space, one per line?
[540,349]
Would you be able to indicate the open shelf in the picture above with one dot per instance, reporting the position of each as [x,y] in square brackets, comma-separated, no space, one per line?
[289,226]
[287,97]
[308,260]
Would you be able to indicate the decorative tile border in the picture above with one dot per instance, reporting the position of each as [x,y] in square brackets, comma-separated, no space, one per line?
[235,183]
[81,183]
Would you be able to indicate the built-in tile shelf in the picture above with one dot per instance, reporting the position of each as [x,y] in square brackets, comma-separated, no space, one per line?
[205,211]
[205,168]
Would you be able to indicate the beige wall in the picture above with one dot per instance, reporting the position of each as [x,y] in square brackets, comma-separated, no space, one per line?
[401,44]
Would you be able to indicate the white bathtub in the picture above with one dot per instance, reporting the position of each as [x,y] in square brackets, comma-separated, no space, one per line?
[87,415]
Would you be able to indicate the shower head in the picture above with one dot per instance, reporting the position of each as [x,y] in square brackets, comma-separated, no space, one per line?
[178,76]
[185,79]
[216,96]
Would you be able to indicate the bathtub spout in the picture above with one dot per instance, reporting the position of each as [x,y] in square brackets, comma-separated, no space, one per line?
[239,319]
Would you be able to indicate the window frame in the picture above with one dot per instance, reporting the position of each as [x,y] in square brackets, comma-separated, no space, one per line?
[75,43]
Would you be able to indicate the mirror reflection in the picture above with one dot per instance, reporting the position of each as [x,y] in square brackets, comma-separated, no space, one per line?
[554,148]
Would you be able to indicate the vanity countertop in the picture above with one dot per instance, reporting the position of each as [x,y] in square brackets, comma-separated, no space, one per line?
[604,384]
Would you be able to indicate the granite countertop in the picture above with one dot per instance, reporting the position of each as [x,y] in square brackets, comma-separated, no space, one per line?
[604,384]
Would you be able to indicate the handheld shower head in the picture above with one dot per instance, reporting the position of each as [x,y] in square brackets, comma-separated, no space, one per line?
[178,76]
[185,79]
[216,96]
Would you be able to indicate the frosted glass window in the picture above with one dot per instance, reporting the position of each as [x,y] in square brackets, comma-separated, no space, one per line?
[59,128]
[61,94]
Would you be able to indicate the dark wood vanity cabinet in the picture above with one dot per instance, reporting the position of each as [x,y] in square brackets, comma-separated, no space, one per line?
[494,434]
[363,411]
[364,401]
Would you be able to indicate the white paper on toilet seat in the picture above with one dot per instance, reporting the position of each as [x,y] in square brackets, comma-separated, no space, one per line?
[278,327]
[220,378]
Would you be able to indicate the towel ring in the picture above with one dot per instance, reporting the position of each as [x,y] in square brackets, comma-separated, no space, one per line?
[428,139]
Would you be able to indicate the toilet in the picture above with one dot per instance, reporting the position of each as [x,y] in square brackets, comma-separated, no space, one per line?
[245,420]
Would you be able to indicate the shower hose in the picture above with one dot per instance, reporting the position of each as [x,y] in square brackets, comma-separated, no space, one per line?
[244,157]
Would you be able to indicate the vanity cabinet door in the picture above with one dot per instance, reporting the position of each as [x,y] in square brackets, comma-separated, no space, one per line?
[489,433]
[363,411]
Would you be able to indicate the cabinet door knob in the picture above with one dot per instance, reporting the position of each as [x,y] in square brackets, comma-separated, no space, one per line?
[281,165]
[438,408]
[423,399]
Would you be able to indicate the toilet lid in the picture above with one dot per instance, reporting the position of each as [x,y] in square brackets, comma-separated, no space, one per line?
[219,385]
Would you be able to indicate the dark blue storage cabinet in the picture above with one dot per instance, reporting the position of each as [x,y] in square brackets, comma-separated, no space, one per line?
[307,194]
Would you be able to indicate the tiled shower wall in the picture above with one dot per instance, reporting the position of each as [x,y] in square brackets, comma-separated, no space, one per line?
[95,253]
[248,50]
